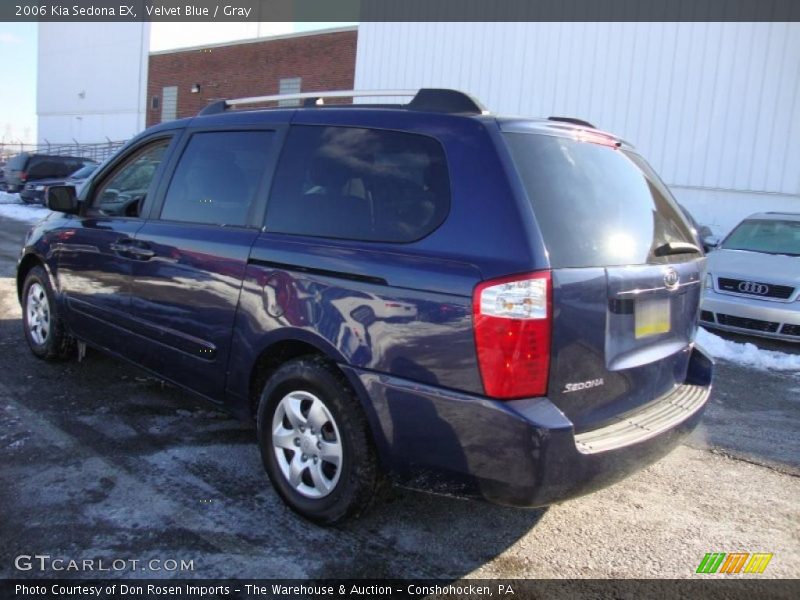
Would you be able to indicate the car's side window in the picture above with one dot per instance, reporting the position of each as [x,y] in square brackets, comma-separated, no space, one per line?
[217,177]
[359,184]
[39,169]
[123,193]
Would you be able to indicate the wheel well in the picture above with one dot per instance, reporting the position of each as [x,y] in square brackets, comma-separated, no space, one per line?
[271,359]
[30,261]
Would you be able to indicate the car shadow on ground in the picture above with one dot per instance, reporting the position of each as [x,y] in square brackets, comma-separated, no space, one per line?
[98,458]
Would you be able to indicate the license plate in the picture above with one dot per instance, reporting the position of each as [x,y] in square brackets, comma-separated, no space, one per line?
[651,317]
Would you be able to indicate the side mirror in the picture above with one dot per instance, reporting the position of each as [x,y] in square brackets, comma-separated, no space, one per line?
[62,198]
[709,243]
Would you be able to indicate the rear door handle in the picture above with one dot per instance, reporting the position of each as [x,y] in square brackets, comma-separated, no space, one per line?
[144,253]
[123,245]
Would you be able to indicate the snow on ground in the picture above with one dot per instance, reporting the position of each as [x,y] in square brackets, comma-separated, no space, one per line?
[6,198]
[747,354]
[13,207]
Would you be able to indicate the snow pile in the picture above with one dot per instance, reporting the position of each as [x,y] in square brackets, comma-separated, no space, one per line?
[747,354]
[12,207]
[6,198]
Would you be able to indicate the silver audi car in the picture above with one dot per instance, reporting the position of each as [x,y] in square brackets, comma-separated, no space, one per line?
[753,280]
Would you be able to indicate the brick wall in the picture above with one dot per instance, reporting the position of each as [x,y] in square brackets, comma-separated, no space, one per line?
[324,61]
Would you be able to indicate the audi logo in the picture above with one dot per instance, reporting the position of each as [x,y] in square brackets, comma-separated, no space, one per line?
[750,287]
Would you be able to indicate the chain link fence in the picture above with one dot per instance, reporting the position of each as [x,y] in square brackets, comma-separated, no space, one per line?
[98,151]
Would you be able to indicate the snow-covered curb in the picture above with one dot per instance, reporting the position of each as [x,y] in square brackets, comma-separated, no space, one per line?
[747,354]
[12,207]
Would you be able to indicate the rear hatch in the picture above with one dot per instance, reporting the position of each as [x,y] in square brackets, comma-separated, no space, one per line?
[14,169]
[626,271]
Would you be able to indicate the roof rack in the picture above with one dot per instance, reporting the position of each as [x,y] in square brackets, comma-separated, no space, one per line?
[425,99]
[572,120]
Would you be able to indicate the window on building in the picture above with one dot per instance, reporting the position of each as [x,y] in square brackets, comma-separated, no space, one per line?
[155,102]
[124,191]
[169,106]
[289,85]
[360,184]
[217,177]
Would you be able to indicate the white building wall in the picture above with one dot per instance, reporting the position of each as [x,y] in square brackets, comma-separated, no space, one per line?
[715,107]
[92,81]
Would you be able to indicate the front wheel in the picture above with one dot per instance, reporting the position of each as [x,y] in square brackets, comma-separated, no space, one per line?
[315,442]
[41,319]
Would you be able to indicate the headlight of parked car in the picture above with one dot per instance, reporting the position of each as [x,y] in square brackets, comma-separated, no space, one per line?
[709,282]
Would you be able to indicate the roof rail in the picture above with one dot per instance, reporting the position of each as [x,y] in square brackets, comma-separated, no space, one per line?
[425,99]
[572,120]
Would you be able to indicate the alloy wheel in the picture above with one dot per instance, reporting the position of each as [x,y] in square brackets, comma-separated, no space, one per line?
[307,444]
[38,314]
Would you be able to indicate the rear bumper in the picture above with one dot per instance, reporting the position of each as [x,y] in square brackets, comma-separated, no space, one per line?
[751,316]
[523,452]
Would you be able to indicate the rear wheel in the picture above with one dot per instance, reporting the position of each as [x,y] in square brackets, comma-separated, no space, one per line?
[41,318]
[315,442]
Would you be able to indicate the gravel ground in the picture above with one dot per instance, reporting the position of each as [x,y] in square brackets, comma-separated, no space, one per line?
[100,461]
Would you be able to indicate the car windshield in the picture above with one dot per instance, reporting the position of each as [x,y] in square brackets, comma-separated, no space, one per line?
[84,171]
[765,235]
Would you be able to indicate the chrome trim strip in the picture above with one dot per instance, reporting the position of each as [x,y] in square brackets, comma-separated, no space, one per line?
[656,289]
[332,94]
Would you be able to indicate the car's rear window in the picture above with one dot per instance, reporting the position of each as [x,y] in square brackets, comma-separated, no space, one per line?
[596,205]
[16,162]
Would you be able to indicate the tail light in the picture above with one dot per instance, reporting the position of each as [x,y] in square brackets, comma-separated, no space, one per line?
[594,137]
[512,320]
[23,176]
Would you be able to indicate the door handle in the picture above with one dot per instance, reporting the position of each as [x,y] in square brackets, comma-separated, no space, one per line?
[121,246]
[127,246]
[144,253]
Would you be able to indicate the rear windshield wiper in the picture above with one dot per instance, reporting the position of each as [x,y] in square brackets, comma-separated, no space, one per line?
[676,248]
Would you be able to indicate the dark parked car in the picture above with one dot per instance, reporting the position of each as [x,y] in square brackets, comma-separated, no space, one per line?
[24,167]
[426,293]
[34,189]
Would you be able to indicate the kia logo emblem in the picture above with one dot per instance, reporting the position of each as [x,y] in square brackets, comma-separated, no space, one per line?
[750,287]
[671,279]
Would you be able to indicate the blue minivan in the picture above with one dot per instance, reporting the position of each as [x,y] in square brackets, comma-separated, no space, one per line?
[424,293]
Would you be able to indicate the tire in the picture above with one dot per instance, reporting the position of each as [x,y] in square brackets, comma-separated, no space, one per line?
[307,417]
[41,319]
